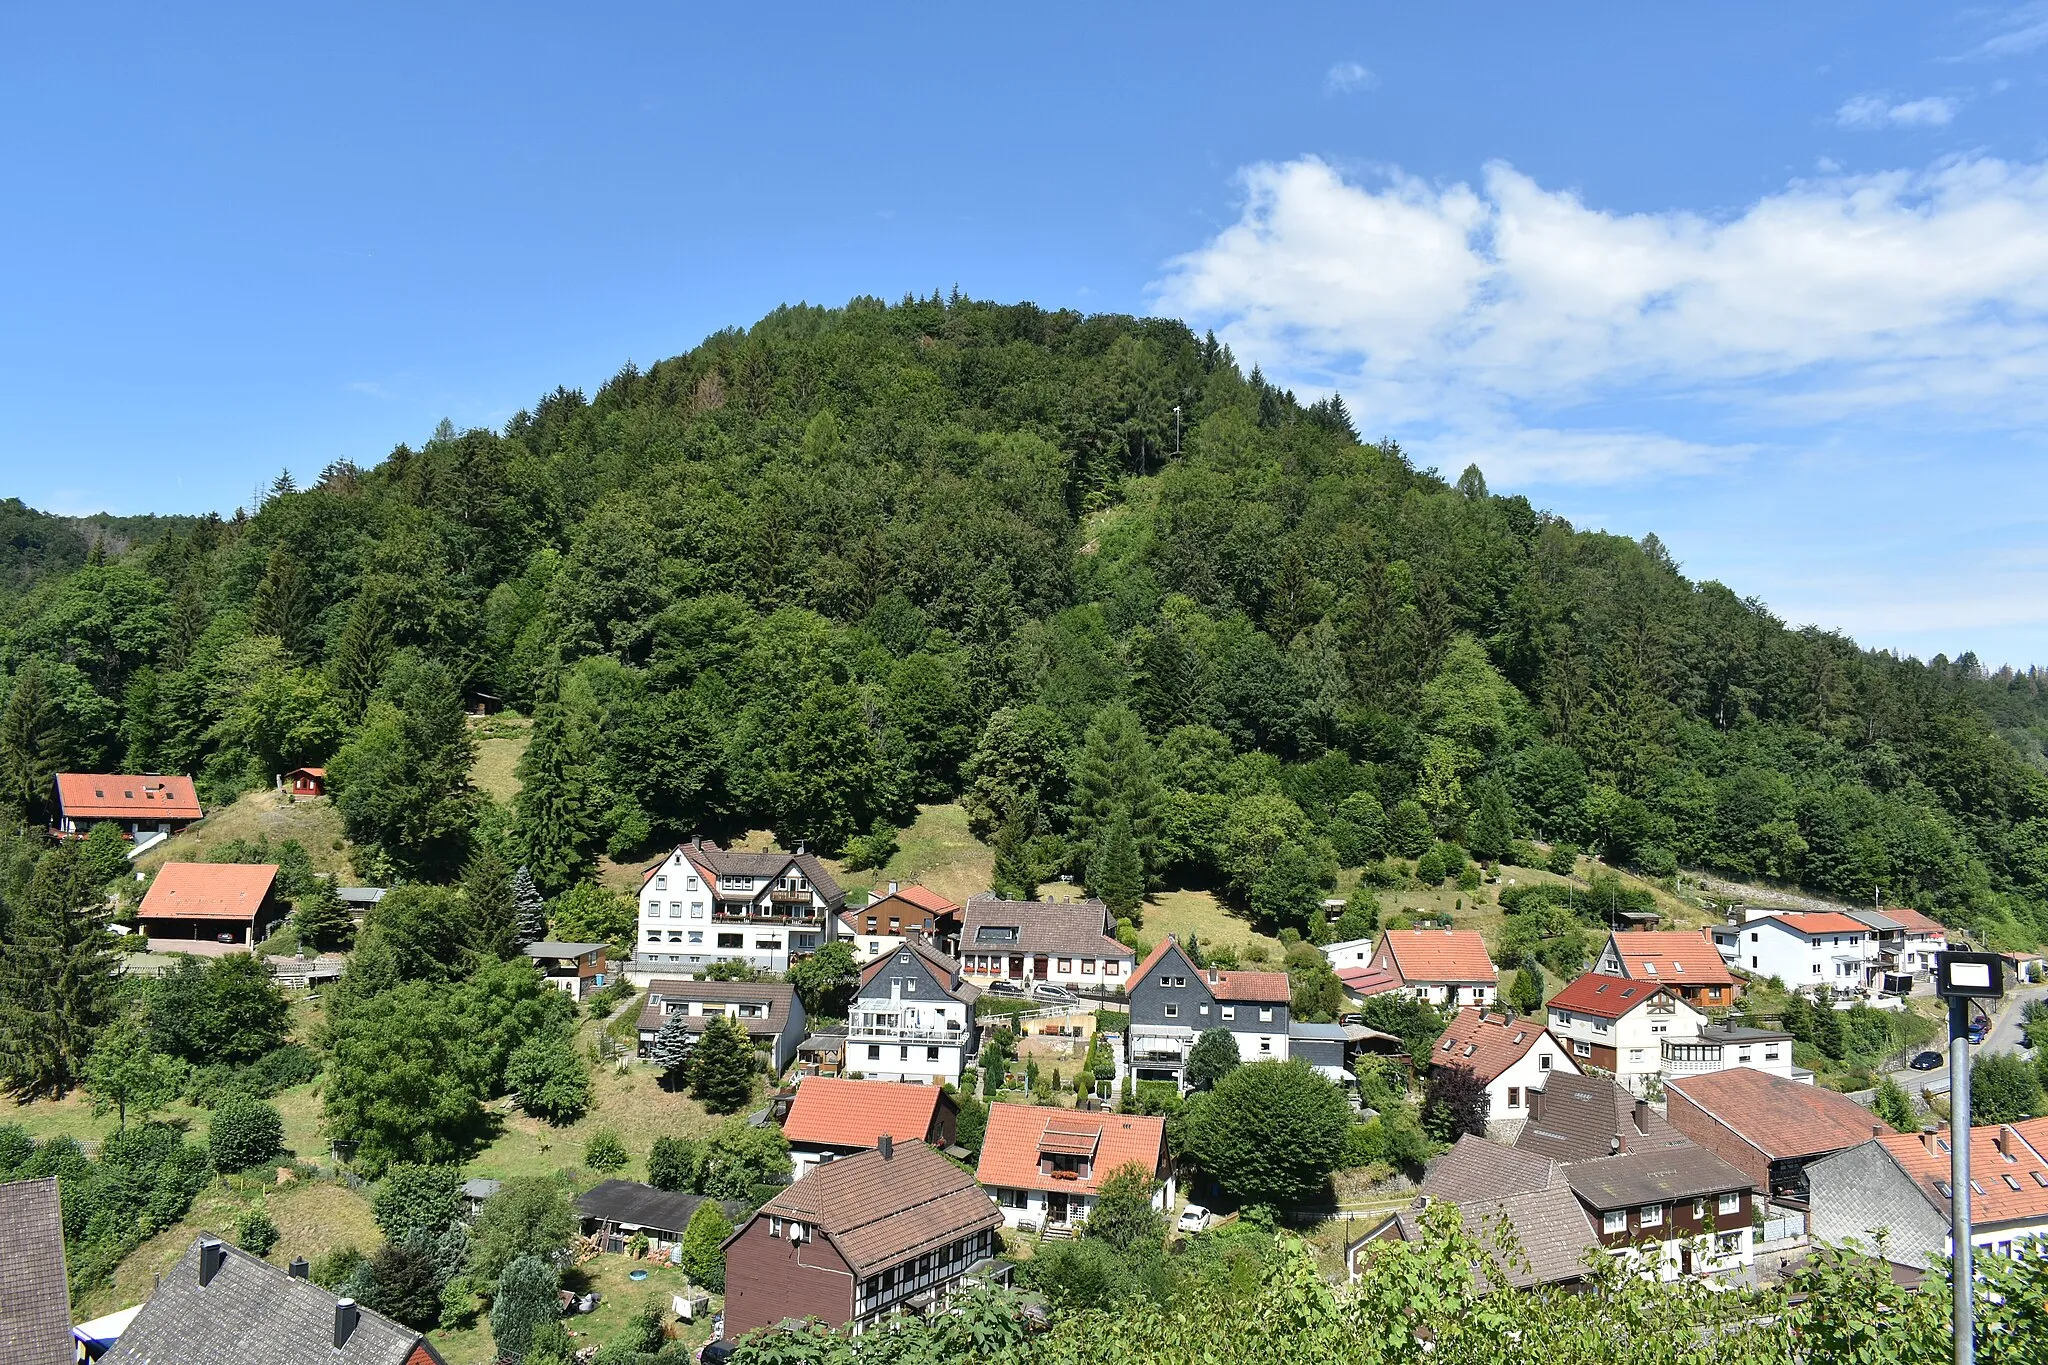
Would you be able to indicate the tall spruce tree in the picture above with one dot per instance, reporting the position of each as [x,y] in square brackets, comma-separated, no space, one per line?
[529,907]
[722,1074]
[671,1050]
[284,605]
[1115,773]
[32,743]
[323,919]
[362,652]
[559,809]
[493,928]
[1116,874]
[1016,872]
[58,973]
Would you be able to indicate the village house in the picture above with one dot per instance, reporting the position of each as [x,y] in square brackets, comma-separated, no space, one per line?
[1067,943]
[35,1308]
[832,1118]
[1619,1026]
[1441,966]
[616,1211]
[900,1227]
[218,1305]
[769,1011]
[912,1018]
[1584,1118]
[1669,1211]
[1044,1167]
[1804,949]
[881,925]
[1687,962]
[1906,944]
[1768,1127]
[1514,1057]
[577,969]
[1174,1002]
[193,904]
[1898,1185]
[703,905]
[147,807]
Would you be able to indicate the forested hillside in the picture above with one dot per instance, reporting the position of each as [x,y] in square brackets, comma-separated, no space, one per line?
[812,573]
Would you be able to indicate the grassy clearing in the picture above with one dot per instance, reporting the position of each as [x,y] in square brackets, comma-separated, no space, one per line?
[314,822]
[501,742]
[1200,913]
[605,1275]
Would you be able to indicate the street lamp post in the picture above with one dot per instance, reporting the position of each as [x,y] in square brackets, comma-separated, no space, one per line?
[1960,978]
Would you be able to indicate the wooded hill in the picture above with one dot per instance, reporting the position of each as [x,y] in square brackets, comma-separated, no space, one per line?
[811,573]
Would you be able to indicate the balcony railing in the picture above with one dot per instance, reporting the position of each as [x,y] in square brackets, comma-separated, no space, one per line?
[797,913]
[867,1033]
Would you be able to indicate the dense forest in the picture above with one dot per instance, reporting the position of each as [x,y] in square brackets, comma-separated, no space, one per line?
[1150,618]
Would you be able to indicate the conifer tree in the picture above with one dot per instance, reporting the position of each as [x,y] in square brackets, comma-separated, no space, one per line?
[31,743]
[57,977]
[670,1051]
[361,653]
[284,605]
[493,927]
[323,919]
[1116,874]
[1016,872]
[722,1074]
[557,808]
[530,909]
[1492,826]
[1115,773]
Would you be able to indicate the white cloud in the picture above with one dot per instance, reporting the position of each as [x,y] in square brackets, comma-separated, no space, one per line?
[2020,31]
[1524,310]
[1513,455]
[1346,77]
[1867,112]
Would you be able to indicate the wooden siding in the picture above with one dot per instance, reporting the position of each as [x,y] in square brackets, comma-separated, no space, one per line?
[768,1279]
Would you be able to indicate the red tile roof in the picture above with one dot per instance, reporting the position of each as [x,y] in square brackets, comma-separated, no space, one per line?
[924,898]
[1017,1133]
[1688,958]
[1436,955]
[1485,1044]
[1252,988]
[310,772]
[1993,1199]
[1913,922]
[842,1113]
[113,796]
[208,891]
[1605,997]
[1364,981]
[1781,1118]
[1820,922]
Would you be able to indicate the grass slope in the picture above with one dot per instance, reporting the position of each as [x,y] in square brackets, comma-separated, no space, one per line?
[314,822]
[501,742]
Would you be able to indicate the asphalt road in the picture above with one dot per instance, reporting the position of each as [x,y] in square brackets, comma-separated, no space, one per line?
[2004,1037]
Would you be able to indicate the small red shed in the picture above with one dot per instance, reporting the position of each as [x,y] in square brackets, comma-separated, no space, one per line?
[307,781]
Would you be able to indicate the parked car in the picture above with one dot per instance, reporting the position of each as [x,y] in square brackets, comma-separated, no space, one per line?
[1194,1218]
[1001,987]
[1980,1030]
[1052,990]
[718,1352]
[1926,1061]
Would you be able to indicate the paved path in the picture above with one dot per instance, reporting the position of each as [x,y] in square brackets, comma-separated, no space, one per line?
[2004,1037]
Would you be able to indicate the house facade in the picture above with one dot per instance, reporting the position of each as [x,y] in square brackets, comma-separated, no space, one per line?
[703,905]
[1619,1026]
[769,1011]
[912,1018]
[576,969]
[1768,1127]
[148,807]
[1806,950]
[1669,1212]
[832,1118]
[1446,967]
[1173,1003]
[1899,1185]
[1045,1167]
[306,782]
[882,924]
[1688,963]
[897,1228]
[1906,944]
[231,904]
[1515,1057]
[1067,943]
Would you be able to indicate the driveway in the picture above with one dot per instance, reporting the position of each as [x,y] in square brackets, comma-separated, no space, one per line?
[2004,1037]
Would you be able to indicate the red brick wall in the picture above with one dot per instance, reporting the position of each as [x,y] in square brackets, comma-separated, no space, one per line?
[768,1279]
[1693,1121]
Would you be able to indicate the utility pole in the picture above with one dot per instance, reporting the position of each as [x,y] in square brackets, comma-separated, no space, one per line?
[1176,431]
[1960,978]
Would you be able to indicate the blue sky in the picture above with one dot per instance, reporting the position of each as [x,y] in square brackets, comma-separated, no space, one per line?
[1769,280]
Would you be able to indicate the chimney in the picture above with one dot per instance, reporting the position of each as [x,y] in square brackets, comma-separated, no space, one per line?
[2005,1142]
[1877,1130]
[1643,1117]
[894,887]
[886,1145]
[298,1269]
[1535,1105]
[1927,1136]
[212,1256]
[345,1316]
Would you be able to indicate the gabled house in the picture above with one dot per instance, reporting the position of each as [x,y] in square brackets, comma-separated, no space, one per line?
[882,924]
[1620,1026]
[1584,1118]
[614,1211]
[221,1306]
[35,1306]
[1768,1127]
[912,1018]
[1899,1185]
[1807,949]
[1669,1211]
[210,903]
[831,1118]
[1174,1002]
[1441,966]
[149,808]
[576,969]
[1906,944]
[897,1228]
[1687,962]
[306,782]
[1044,1167]
[703,905]
[1068,943]
[1514,1057]
[769,1011]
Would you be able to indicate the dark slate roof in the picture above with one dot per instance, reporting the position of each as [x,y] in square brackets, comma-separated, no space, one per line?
[1657,1175]
[641,1206]
[253,1313]
[778,996]
[1583,1118]
[1550,1228]
[1476,1168]
[35,1308]
[724,862]
[944,972]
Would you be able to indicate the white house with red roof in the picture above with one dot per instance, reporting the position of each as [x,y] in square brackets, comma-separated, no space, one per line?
[148,807]
[1045,1167]
[703,905]
[1442,966]
[1619,1026]
[832,1118]
[880,926]
[1809,949]
[1687,961]
[1174,1002]
[1513,1056]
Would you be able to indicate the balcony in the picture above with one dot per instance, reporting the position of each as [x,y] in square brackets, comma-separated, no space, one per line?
[1153,1048]
[794,912]
[858,1032]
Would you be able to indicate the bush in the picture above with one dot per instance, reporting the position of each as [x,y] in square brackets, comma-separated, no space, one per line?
[704,1246]
[245,1132]
[672,1163]
[551,1079]
[255,1233]
[1563,858]
[609,997]
[334,1267]
[524,1299]
[604,1151]
[414,1198]
[275,1072]
[1429,868]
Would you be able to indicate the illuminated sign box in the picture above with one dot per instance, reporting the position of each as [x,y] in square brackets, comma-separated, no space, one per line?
[1969,976]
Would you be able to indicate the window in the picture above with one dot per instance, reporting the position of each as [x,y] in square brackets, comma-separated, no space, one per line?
[1087,966]
[1699,1208]
[690,883]
[732,940]
[1265,1044]
[874,1052]
[1729,1203]
[654,935]
[1230,1011]
[772,945]
[1202,1010]
[1514,1097]
[774,1227]
[1170,1011]
[697,937]
[931,1054]
[1650,1216]
[1180,983]
[1727,1243]
[696,909]
[1065,964]
[1266,1014]
[903,1053]
[675,936]
[1543,1062]
[1614,1222]
[1580,1049]
[675,909]
[660,882]
[1111,967]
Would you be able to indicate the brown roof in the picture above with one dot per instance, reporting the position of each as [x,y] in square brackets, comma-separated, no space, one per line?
[1913,922]
[1655,1175]
[1780,1118]
[1993,1198]
[839,1113]
[1686,958]
[776,995]
[1581,1118]
[1476,1168]
[208,891]
[1485,1044]
[1017,1133]
[1252,988]
[1550,1228]
[713,862]
[880,1210]
[1074,928]
[912,904]
[116,796]
[1605,997]
[1436,955]
[35,1307]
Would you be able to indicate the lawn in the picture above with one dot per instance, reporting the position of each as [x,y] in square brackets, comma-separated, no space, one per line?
[501,742]
[622,1297]
[313,821]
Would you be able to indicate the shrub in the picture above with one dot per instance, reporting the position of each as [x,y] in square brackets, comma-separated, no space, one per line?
[332,1268]
[245,1132]
[1563,858]
[255,1233]
[1429,868]
[673,1162]
[524,1299]
[604,1151]
[414,1198]
[704,1246]
[551,1079]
